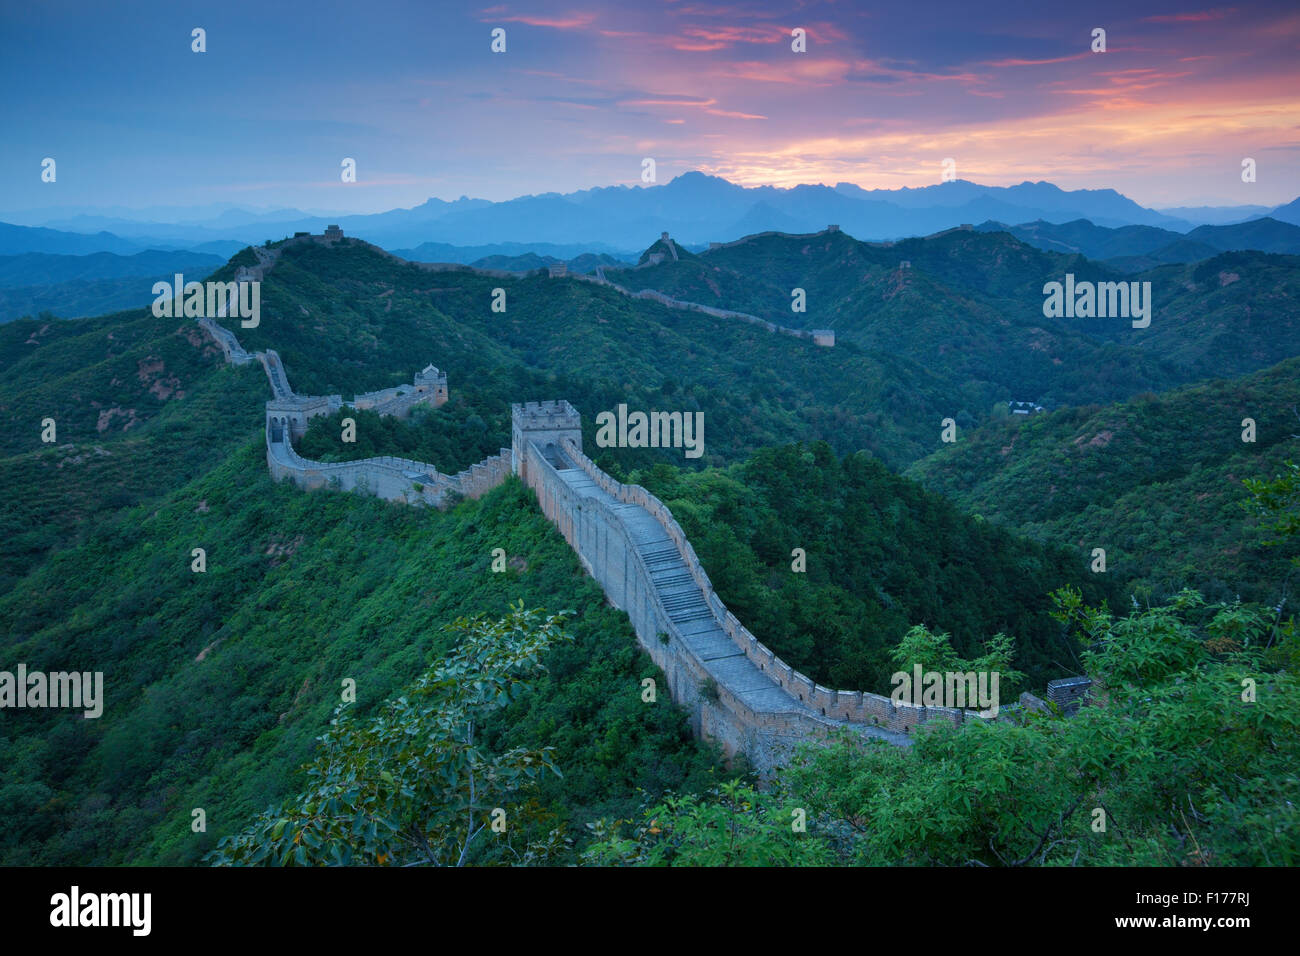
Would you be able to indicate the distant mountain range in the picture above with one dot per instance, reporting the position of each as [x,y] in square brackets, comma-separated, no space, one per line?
[518,256]
[78,285]
[17,240]
[1136,248]
[695,208]
[38,268]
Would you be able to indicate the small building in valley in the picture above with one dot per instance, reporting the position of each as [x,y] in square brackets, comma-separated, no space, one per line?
[1024,408]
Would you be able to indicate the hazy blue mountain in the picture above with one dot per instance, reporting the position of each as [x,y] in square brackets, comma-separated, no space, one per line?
[472,255]
[144,223]
[15,240]
[1105,206]
[1266,234]
[694,207]
[18,240]
[1288,213]
[41,268]
[224,248]
[1216,215]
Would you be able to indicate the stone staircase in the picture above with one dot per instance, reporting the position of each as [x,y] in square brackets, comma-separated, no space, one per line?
[693,619]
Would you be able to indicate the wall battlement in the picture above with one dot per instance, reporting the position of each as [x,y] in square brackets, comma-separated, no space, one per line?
[813,704]
[394,479]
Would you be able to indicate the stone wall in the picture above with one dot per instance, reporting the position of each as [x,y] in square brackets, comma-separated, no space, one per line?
[477,480]
[600,536]
[225,339]
[546,446]
[655,296]
[393,479]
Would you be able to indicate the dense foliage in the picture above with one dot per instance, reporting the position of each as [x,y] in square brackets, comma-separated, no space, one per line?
[217,683]
[413,785]
[1156,482]
[1187,757]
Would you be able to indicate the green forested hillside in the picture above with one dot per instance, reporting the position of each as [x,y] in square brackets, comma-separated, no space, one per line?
[1137,780]
[1234,314]
[140,406]
[969,307]
[1156,482]
[218,682]
[349,319]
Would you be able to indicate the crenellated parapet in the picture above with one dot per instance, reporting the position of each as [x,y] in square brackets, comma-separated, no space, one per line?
[736,690]
[544,424]
[429,387]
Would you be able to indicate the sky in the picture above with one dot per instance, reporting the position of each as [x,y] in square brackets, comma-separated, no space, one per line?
[585,91]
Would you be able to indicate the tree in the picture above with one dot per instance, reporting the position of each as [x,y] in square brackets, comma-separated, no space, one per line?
[1185,756]
[412,786]
[934,653]
[733,825]
[1279,500]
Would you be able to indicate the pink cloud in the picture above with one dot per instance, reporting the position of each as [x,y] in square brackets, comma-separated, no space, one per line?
[1200,17]
[1018,62]
[729,36]
[708,105]
[572,21]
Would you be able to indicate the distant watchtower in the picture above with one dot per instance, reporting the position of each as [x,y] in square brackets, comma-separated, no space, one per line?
[544,426]
[432,380]
[333,233]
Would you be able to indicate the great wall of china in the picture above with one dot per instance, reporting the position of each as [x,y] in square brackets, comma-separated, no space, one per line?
[735,690]
[823,337]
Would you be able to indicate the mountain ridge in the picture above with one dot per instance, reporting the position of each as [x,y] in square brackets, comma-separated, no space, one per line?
[694,206]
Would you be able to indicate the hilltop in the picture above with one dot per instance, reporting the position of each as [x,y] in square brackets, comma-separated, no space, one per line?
[1155,481]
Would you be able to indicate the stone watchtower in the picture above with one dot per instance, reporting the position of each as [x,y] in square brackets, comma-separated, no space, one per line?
[545,425]
[286,418]
[432,380]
